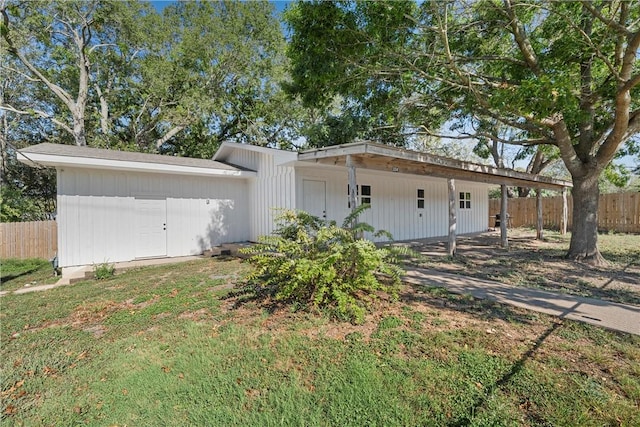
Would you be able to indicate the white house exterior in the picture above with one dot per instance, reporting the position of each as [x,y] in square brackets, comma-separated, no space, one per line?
[116,206]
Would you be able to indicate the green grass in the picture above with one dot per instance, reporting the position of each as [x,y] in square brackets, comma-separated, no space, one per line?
[16,273]
[169,346]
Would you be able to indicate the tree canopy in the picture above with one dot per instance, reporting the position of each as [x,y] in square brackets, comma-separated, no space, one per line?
[112,73]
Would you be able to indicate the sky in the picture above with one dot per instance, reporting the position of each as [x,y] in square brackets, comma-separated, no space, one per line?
[159,5]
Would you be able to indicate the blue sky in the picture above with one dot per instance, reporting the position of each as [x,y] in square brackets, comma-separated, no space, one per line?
[280,5]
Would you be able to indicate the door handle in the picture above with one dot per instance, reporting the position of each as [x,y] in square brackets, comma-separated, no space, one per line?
[164,226]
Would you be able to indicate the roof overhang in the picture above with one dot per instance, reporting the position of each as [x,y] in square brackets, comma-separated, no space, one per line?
[373,156]
[59,160]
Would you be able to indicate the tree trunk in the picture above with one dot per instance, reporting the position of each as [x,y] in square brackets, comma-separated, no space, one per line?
[78,129]
[584,229]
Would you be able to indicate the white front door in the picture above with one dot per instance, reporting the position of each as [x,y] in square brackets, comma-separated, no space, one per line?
[314,199]
[151,228]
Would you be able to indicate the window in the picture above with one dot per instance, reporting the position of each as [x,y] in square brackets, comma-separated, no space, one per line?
[465,200]
[420,198]
[366,195]
[363,195]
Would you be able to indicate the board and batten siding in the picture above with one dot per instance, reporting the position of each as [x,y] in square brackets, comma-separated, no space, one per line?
[272,189]
[394,202]
[97,213]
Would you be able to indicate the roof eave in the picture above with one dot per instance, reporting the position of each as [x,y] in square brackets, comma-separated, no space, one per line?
[60,161]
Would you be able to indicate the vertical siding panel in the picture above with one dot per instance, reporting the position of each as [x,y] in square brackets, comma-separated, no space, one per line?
[96,213]
[394,202]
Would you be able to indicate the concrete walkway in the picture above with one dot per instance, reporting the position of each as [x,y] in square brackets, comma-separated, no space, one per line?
[619,317]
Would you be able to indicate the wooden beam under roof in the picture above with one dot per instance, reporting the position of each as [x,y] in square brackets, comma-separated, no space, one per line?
[368,155]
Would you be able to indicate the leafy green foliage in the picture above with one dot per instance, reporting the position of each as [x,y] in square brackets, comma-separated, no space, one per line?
[311,263]
[26,193]
[178,81]
[368,86]
[104,271]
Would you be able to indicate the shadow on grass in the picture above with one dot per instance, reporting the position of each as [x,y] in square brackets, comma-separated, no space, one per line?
[515,268]
[5,279]
[504,380]
[441,297]
[515,369]
[248,294]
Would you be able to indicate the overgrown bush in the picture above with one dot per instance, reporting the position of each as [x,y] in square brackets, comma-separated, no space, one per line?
[309,262]
[104,271]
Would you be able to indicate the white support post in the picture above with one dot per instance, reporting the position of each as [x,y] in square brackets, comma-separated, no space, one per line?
[352,182]
[539,222]
[451,246]
[504,240]
[565,212]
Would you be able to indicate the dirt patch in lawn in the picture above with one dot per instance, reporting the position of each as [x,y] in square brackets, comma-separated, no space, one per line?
[89,316]
[430,309]
[541,264]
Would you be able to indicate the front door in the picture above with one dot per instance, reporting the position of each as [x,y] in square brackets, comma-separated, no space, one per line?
[151,227]
[314,198]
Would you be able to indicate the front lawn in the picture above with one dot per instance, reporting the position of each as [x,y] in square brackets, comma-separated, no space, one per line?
[170,345]
[541,264]
[18,273]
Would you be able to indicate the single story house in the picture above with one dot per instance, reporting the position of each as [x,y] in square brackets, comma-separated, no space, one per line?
[120,206]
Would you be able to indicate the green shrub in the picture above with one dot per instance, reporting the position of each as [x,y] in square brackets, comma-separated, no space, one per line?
[309,262]
[104,271]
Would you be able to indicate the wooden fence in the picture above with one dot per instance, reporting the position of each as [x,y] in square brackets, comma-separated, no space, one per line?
[36,239]
[618,212]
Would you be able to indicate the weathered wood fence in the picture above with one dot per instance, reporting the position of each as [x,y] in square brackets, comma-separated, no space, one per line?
[36,239]
[618,212]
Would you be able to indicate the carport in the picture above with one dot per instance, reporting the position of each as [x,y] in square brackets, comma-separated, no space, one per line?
[378,157]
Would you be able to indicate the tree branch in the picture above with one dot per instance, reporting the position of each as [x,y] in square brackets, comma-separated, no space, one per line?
[16,71]
[528,125]
[172,132]
[563,140]
[39,113]
[94,47]
[623,116]
[467,136]
[634,124]
[633,82]
[608,22]
[521,39]
[57,90]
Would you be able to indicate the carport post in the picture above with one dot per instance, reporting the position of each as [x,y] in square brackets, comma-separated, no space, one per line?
[351,169]
[451,245]
[565,212]
[539,214]
[504,240]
